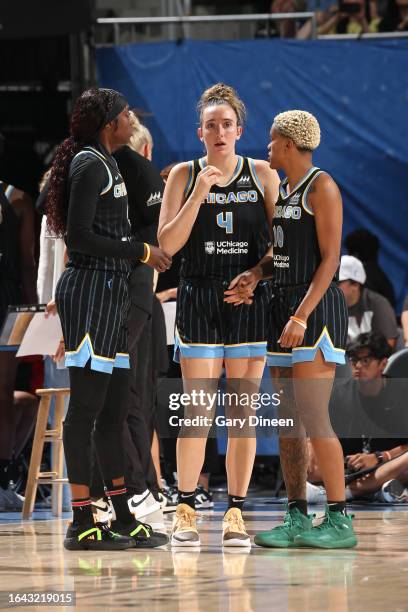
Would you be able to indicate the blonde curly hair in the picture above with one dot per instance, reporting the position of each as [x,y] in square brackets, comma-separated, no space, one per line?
[302,127]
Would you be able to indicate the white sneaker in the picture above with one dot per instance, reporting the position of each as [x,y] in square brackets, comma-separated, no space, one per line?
[156,521]
[184,532]
[103,511]
[143,505]
[233,529]
[393,492]
[315,494]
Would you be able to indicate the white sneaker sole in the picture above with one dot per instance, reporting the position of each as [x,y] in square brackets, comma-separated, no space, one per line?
[237,543]
[185,544]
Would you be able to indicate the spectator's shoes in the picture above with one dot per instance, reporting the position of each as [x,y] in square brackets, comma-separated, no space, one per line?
[394,492]
[284,535]
[233,529]
[169,498]
[335,531]
[102,510]
[142,534]
[315,494]
[10,500]
[95,536]
[184,532]
[143,505]
[203,499]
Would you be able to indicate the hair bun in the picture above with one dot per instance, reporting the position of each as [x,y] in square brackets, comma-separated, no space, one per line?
[218,94]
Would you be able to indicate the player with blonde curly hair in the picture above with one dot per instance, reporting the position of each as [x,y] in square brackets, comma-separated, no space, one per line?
[308,329]
[216,210]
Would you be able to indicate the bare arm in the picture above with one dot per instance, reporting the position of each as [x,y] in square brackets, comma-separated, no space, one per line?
[177,215]
[242,286]
[325,200]
[404,321]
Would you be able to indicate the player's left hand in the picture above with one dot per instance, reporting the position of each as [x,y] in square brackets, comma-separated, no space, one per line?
[292,335]
[241,288]
[60,354]
[361,461]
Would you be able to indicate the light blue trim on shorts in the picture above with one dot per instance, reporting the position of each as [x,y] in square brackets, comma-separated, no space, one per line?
[84,352]
[217,351]
[248,350]
[301,354]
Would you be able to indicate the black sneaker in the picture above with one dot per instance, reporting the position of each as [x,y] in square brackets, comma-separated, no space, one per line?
[203,499]
[142,534]
[95,536]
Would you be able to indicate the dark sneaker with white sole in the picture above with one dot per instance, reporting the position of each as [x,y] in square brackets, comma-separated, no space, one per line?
[95,536]
[142,534]
[203,499]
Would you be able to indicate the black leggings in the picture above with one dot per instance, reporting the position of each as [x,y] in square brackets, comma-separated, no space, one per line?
[97,410]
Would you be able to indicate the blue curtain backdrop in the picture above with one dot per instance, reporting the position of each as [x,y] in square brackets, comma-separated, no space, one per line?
[357,89]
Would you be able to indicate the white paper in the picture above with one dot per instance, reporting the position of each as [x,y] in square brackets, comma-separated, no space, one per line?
[170,318]
[42,336]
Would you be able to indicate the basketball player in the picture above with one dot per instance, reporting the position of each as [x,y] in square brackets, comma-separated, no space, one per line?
[216,210]
[87,203]
[308,328]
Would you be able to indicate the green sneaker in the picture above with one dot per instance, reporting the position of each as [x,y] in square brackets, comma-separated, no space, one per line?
[336,531]
[283,536]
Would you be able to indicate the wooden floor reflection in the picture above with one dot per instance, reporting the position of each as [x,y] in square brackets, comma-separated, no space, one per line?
[374,576]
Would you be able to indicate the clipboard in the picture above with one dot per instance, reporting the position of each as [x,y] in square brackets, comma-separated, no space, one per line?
[15,325]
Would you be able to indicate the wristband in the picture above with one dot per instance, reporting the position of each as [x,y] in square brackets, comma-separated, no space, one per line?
[147,257]
[299,321]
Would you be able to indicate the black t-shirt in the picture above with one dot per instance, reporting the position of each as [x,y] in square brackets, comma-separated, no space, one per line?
[377,423]
[145,189]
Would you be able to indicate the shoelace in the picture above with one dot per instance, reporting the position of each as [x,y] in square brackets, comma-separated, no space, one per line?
[328,522]
[237,522]
[186,520]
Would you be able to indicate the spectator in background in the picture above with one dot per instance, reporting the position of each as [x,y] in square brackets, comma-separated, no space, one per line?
[368,311]
[368,413]
[17,286]
[365,246]
[395,18]
[404,320]
[348,17]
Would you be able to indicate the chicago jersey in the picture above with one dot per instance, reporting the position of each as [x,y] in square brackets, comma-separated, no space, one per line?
[230,233]
[111,212]
[296,253]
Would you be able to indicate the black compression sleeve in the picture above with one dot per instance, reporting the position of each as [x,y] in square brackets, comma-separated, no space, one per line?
[88,178]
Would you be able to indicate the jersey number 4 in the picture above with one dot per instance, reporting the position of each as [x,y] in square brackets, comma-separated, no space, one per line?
[224,220]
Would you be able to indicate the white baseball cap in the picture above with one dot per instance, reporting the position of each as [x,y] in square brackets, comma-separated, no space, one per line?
[351,268]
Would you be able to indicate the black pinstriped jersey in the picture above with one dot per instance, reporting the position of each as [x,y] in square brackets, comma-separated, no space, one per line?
[95,182]
[231,232]
[296,253]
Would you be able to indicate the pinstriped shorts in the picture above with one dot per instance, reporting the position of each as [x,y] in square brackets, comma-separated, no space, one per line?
[93,306]
[208,327]
[326,327]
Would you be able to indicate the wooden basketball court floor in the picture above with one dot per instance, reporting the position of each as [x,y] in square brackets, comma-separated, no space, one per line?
[371,577]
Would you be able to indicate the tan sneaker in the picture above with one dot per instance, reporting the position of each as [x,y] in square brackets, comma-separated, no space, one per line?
[233,529]
[184,532]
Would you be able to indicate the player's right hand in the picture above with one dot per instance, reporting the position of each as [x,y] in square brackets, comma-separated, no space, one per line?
[206,178]
[51,309]
[159,259]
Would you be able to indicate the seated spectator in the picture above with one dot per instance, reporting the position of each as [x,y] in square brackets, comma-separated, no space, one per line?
[404,320]
[367,310]
[395,18]
[365,246]
[369,415]
[348,17]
